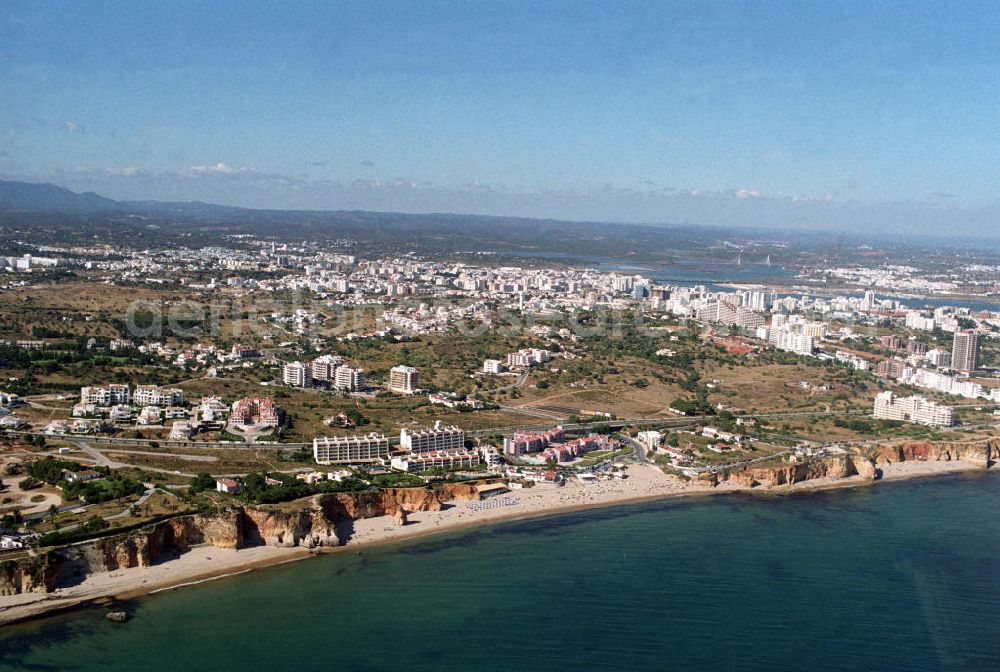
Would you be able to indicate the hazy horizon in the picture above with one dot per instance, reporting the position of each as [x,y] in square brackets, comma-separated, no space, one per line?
[805,116]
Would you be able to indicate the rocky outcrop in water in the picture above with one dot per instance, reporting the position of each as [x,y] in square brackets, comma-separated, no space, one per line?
[116,616]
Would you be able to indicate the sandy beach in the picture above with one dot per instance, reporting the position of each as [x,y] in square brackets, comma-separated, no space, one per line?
[197,565]
[204,563]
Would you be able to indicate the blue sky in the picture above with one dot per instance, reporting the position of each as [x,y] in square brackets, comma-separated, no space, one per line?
[795,114]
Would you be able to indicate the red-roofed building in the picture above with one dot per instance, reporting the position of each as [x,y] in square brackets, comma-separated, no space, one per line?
[255,411]
[532,442]
[228,486]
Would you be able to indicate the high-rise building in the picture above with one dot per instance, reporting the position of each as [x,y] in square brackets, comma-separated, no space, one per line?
[325,367]
[348,378]
[404,379]
[350,449]
[297,374]
[869,301]
[965,350]
[438,437]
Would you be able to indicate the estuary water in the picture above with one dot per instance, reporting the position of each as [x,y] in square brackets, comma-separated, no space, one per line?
[900,576]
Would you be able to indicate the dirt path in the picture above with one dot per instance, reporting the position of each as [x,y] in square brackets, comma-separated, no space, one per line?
[22,498]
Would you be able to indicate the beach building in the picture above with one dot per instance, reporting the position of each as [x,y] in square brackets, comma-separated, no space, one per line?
[350,449]
[437,438]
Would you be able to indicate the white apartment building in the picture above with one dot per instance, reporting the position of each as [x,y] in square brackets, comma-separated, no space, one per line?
[916,320]
[154,395]
[934,380]
[121,413]
[758,300]
[815,330]
[436,460]
[650,439]
[528,357]
[297,374]
[349,378]
[325,367]
[747,318]
[404,379]
[350,449]
[939,358]
[107,395]
[493,366]
[915,409]
[791,341]
[437,438]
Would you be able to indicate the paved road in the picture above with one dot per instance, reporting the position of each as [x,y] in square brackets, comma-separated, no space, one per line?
[100,459]
[522,378]
[179,456]
[65,507]
[639,453]
[538,413]
[139,502]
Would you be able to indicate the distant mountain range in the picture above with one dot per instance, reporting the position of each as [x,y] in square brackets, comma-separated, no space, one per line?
[45,197]
[28,197]
[52,205]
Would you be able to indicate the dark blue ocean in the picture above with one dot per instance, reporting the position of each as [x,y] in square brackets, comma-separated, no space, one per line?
[899,576]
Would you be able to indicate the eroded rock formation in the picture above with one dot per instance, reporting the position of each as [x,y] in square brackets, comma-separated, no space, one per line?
[320,521]
[834,467]
[32,574]
[980,452]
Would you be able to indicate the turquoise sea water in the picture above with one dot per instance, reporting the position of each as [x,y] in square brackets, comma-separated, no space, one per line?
[901,576]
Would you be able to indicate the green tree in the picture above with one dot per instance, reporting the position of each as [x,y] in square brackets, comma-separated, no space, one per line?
[202,481]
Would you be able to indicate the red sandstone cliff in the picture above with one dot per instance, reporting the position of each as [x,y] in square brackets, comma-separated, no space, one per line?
[834,467]
[26,575]
[980,452]
[324,520]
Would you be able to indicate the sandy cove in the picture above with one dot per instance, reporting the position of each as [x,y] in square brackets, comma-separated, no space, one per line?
[205,563]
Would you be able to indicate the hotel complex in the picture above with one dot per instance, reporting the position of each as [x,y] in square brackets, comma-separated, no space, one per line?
[436,460]
[916,409]
[255,411]
[437,438]
[152,395]
[350,449]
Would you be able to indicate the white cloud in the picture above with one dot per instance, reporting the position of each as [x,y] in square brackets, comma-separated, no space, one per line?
[220,167]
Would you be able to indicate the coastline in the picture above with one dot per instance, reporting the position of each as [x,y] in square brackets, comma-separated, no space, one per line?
[202,564]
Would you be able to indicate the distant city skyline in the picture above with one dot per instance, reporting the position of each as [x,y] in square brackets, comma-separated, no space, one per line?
[806,115]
